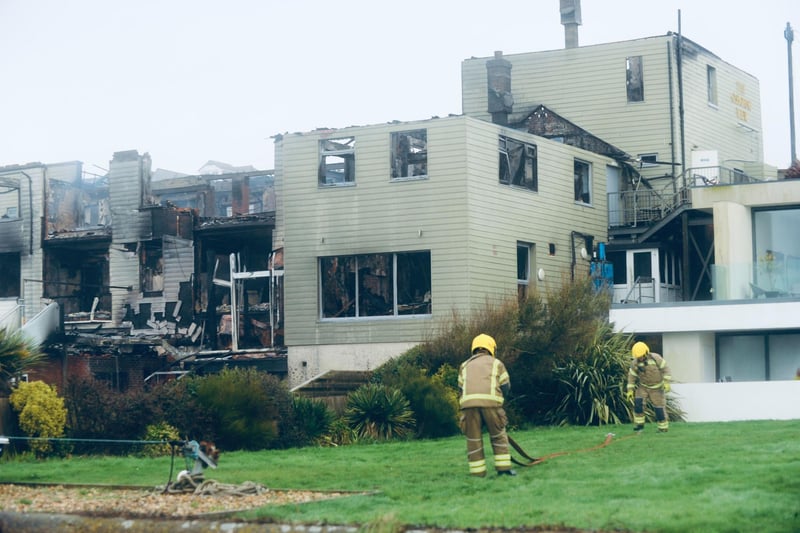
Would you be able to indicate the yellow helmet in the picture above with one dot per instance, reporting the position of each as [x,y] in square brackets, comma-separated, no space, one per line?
[484,341]
[639,350]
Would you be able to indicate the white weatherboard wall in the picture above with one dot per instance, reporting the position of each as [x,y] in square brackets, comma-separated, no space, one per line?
[748,400]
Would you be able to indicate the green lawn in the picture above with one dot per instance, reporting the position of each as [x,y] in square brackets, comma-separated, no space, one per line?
[734,476]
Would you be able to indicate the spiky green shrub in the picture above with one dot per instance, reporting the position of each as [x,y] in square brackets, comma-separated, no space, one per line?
[339,433]
[434,406]
[41,413]
[378,412]
[590,383]
[162,431]
[249,407]
[18,354]
[312,420]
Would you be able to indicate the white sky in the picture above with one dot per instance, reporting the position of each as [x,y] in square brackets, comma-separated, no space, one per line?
[192,80]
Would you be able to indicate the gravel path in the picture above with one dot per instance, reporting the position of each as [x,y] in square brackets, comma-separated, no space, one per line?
[142,503]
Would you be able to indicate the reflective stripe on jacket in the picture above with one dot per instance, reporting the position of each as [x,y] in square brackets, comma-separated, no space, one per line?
[651,372]
[480,379]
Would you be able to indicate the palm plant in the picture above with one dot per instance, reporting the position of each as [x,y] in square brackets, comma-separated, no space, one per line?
[18,354]
[378,412]
[591,386]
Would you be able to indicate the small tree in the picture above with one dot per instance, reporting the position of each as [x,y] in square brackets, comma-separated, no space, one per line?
[41,413]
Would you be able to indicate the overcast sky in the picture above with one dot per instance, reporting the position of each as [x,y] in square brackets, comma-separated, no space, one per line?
[195,80]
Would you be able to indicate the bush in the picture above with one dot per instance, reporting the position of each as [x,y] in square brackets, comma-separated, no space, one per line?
[434,406]
[180,405]
[378,412]
[160,431]
[312,420]
[99,413]
[591,386]
[41,413]
[249,408]
[17,355]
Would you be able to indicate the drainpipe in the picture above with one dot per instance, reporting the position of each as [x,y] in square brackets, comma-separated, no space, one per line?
[679,57]
[789,34]
[671,120]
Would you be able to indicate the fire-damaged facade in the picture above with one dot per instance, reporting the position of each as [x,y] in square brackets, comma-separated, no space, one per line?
[145,275]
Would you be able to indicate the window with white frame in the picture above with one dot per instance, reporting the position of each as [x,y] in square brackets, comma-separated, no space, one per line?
[410,154]
[634,79]
[669,265]
[524,269]
[518,163]
[337,161]
[375,285]
[583,181]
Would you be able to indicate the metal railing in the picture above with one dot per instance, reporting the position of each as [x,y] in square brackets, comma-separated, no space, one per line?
[642,291]
[646,206]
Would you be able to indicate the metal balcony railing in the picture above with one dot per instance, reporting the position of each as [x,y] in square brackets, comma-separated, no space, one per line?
[647,206]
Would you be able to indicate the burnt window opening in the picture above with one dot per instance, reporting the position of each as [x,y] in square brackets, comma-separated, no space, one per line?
[634,79]
[337,161]
[410,154]
[151,263]
[648,160]
[9,201]
[373,285]
[10,275]
[518,163]
[583,182]
[711,83]
[78,280]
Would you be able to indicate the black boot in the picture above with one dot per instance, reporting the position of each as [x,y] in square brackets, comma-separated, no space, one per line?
[506,473]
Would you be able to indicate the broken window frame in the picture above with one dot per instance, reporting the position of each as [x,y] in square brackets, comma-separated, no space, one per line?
[518,165]
[9,208]
[409,154]
[151,267]
[711,85]
[382,285]
[582,171]
[337,162]
[634,78]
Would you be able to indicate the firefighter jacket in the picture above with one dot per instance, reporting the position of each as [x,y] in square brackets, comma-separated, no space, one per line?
[650,371]
[482,379]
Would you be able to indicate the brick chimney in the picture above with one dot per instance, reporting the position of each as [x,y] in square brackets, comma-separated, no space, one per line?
[498,78]
[571,19]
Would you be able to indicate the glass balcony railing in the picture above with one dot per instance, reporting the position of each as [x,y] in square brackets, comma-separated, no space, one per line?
[747,281]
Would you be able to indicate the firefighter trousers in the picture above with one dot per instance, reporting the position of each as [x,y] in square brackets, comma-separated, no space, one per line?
[472,421]
[659,401]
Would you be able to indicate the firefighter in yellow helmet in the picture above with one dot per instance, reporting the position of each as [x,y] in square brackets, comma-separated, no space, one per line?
[649,378]
[484,383]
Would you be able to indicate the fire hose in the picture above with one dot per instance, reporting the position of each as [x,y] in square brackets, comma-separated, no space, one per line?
[531,461]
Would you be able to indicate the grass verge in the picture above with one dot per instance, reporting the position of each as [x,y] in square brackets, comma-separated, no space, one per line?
[711,477]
